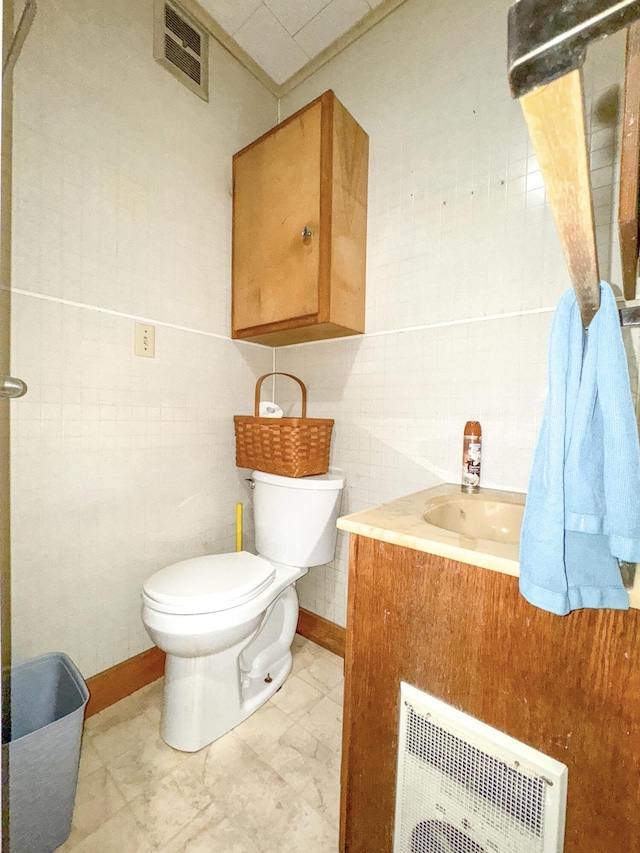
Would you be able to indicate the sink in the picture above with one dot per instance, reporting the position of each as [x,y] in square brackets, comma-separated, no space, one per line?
[489,514]
[481,529]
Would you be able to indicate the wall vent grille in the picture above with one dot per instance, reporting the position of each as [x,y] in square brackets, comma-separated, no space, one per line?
[180,44]
[464,787]
[184,61]
[180,28]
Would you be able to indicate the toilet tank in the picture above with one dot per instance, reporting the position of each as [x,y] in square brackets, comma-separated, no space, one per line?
[295,517]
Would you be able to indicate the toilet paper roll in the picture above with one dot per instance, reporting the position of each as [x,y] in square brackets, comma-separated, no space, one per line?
[270,410]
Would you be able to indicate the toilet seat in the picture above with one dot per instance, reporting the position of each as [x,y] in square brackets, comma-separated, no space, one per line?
[208,584]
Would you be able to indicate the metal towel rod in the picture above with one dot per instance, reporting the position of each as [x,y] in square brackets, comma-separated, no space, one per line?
[630,316]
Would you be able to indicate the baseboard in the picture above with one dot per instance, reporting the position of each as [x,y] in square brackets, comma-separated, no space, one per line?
[319,630]
[124,678]
[108,687]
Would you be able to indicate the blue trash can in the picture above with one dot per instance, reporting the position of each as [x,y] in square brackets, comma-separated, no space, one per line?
[46,698]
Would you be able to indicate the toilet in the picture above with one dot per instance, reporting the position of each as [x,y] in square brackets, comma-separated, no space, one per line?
[227,621]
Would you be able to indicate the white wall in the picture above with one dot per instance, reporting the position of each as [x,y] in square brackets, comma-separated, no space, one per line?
[464,266]
[122,209]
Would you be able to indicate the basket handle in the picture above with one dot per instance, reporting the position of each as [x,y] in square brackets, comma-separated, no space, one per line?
[303,387]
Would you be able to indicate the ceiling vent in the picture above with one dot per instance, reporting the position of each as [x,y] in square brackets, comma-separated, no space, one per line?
[181,45]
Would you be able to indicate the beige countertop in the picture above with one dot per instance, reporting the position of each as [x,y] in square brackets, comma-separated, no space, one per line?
[401,522]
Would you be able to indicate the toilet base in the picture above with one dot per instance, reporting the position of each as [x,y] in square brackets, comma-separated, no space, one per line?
[205,697]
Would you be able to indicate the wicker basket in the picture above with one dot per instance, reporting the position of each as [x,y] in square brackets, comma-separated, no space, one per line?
[291,447]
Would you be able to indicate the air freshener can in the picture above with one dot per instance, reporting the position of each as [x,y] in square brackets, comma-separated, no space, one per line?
[471,456]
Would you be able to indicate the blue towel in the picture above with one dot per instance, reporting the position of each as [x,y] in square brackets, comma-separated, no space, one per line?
[582,511]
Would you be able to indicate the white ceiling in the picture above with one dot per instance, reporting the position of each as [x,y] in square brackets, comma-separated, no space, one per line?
[283,36]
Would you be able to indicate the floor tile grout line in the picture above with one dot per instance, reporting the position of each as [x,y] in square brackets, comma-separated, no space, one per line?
[267,764]
[135,710]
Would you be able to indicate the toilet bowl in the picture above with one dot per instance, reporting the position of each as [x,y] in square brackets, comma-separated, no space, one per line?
[227,621]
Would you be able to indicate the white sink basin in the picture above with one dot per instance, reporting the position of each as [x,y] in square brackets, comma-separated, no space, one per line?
[489,514]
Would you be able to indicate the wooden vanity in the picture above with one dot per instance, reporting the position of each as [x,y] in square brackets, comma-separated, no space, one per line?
[457,628]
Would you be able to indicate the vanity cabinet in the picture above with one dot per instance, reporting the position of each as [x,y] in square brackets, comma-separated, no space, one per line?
[299,228]
[567,685]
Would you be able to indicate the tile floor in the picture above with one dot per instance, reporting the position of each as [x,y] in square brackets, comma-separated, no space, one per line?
[271,784]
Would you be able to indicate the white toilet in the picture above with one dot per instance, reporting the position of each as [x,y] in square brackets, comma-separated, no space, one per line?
[227,621]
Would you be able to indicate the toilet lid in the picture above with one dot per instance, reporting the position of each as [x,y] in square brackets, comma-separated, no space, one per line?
[208,584]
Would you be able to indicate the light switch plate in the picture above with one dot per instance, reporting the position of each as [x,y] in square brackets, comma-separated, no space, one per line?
[145,340]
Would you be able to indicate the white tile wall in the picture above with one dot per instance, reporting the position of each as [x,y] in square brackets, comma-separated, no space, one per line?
[121,465]
[464,266]
[122,209]
[123,181]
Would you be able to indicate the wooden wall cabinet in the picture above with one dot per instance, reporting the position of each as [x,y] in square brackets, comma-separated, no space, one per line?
[566,685]
[299,228]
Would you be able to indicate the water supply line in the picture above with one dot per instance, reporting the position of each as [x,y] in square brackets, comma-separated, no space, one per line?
[238,527]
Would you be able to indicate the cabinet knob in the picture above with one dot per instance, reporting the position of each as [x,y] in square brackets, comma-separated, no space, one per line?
[306,232]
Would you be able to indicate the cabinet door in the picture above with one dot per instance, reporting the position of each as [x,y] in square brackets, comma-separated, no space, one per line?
[277,195]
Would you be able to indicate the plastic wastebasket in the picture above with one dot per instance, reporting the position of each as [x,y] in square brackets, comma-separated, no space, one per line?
[42,744]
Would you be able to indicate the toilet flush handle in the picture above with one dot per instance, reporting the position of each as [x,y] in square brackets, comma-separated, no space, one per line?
[251,482]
